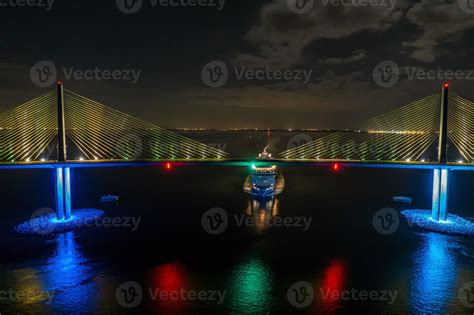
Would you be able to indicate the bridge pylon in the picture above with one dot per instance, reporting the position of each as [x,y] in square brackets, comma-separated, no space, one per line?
[62,174]
[439,211]
[443,125]
[62,153]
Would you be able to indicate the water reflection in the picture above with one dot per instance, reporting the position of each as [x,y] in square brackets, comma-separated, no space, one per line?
[170,280]
[250,287]
[434,275]
[69,275]
[27,290]
[334,281]
[261,210]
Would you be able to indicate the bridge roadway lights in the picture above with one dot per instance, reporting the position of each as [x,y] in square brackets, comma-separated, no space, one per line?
[439,210]
[63,193]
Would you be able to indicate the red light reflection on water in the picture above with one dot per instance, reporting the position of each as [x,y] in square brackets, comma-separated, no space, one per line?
[170,283]
[333,283]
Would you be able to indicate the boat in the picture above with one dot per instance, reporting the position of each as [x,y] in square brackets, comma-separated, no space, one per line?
[264,181]
[402,199]
[109,198]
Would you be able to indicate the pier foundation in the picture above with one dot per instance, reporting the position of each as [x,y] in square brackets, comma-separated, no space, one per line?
[63,193]
[439,210]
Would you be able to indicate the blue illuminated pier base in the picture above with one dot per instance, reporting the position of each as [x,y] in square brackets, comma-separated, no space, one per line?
[63,193]
[439,210]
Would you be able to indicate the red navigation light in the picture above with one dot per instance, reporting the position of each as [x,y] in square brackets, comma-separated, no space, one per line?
[336,167]
[60,83]
[168,166]
[446,85]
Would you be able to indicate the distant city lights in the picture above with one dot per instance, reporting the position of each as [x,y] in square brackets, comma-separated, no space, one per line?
[400,132]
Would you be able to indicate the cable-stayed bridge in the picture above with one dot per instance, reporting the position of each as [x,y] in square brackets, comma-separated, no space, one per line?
[407,134]
[63,126]
[63,130]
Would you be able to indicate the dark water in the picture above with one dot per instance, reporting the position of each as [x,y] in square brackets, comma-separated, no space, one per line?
[247,269]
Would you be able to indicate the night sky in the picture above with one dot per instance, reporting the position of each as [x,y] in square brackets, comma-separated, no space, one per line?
[340,45]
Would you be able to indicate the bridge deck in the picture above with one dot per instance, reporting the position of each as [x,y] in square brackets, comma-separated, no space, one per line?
[238,163]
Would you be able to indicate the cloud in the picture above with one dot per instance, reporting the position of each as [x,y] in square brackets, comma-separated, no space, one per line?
[281,35]
[440,22]
[330,92]
[356,56]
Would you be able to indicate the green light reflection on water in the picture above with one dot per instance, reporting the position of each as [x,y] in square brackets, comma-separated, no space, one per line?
[250,287]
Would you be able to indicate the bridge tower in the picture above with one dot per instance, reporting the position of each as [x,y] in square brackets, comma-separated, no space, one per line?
[62,173]
[441,173]
[62,154]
